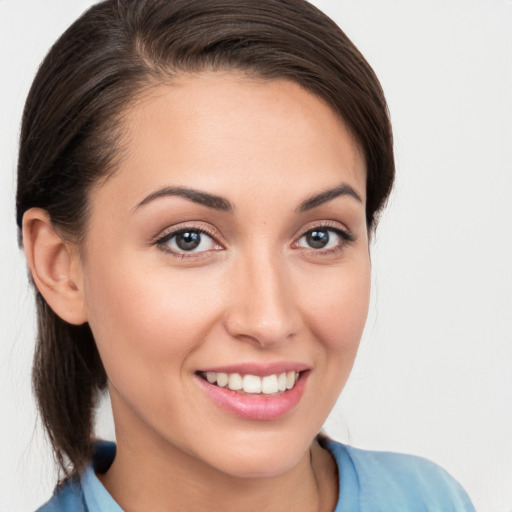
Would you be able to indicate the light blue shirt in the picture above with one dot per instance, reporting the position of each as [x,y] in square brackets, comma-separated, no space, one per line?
[96,496]
[369,481]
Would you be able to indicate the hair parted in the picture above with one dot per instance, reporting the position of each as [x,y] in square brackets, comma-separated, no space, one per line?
[73,120]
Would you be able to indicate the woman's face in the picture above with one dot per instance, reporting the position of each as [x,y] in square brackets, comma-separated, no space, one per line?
[231,245]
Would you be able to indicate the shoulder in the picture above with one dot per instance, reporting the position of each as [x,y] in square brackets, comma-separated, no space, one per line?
[392,481]
[66,498]
[85,493]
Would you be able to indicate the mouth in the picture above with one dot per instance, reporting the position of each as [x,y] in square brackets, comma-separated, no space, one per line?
[248,384]
[253,393]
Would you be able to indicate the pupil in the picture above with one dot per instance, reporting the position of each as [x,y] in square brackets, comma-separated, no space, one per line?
[317,239]
[188,240]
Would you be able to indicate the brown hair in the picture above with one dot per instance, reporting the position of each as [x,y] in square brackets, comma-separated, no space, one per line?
[73,119]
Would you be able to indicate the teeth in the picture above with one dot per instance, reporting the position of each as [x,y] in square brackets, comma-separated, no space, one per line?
[267,385]
[281,382]
[235,381]
[252,384]
[290,380]
[222,379]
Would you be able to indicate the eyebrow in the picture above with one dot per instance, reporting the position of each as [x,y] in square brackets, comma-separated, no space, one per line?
[219,203]
[323,197]
[203,198]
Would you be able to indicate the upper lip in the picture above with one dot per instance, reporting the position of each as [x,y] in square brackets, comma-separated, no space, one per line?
[259,369]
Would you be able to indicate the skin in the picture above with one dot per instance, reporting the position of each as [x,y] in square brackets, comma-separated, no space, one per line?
[254,292]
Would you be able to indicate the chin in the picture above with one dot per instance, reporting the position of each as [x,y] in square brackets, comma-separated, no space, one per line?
[262,459]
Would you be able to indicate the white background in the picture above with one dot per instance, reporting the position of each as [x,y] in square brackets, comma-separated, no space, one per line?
[434,374]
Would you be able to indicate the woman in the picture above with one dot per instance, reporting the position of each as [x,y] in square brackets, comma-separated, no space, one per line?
[197,185]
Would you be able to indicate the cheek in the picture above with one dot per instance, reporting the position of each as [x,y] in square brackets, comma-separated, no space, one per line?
[335,312]
[148,320]
[338,306]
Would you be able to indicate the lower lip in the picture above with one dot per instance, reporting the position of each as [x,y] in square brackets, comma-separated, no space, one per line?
[256,407]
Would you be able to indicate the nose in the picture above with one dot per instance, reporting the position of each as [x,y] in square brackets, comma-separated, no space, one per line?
[263,305]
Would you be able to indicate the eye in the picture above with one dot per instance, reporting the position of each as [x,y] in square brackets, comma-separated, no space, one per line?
[187,241]
[323,239]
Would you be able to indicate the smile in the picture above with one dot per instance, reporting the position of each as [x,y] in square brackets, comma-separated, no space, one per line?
[244,393]
[253,384]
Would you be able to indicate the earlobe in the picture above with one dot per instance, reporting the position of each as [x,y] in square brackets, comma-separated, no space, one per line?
[55,267]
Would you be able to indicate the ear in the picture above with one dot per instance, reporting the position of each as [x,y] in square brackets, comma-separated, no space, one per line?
[55,266]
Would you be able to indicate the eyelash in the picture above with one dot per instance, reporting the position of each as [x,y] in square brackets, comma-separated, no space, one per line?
[345,238]
[164,238]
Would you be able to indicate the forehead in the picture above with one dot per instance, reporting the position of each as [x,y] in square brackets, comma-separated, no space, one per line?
[217,129]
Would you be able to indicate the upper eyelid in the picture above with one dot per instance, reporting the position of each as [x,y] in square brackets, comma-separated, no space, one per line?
[167,233]
[165,236]
[174,230]
[327,224]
